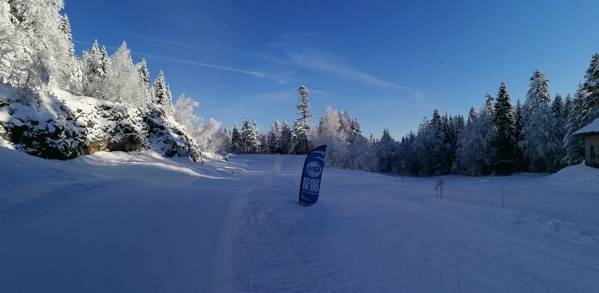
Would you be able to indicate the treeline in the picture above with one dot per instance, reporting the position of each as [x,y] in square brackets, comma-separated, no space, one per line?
[499,138]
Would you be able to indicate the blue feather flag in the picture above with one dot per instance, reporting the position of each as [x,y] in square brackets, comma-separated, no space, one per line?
[311,176]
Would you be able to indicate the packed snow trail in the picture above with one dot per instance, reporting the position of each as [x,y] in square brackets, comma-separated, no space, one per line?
[115,222]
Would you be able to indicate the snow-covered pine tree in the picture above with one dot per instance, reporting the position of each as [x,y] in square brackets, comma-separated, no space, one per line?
[236,141]
[454,129]
[274,138]
[535,142]
[65,27]
[463,153]
[40,53]
[95,65]
[567,110]
[286,139]
[146,78]
[521,163]
[263,143]
[573,144]
[505,151]
[162,92]
[301,127]
[407,155]
[386,153]
[124,82]
[331,132]
[144,72]
[590,92]
[438,153]
[556,134]
[227,140]
[250,138]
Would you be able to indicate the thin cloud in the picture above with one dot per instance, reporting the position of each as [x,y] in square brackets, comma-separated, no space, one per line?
[255,74]
[332,64]
[202,64]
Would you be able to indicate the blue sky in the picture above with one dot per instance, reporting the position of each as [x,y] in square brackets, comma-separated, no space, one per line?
[388,63]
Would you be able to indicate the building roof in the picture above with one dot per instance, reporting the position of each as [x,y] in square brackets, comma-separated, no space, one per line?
[593,127]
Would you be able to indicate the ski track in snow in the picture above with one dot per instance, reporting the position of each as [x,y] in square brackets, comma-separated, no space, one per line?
[236,227]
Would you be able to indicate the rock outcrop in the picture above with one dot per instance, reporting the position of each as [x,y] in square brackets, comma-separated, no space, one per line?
[61,126]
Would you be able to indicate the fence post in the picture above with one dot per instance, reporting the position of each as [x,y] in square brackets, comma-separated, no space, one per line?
[503,197]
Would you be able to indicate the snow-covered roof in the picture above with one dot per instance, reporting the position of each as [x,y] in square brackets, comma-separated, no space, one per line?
[593,127]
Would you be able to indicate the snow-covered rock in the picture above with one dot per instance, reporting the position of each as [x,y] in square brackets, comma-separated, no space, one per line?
[58,125]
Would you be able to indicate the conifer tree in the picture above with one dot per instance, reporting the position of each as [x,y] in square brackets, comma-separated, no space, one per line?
[573,144]
[95,66]
[286,139]
[124,82]
[301,127]
[557,132]
[236,141]
[521,163]
[590,92]
[535,132]
[274,138]
[162,91]
[227,138]
[65,27]
[504,137]
[250,137]
[144,72]
[385,151]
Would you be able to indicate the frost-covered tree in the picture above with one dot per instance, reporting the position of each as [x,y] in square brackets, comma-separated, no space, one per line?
[331,133]
[301,127]
[236,141]
[40,50]
[590,92]
[505,150]
[184,113]
[95,65]
[124,84]
[536,141]
[274,138]
[453,128]
[227,137]
[386,153]
[144,72]
[476,154]
[250,137]
[573,144]
[557,132]
[208,136]
[65,27]
[286,138]
[521,163]
[162,91]
[346,147]
[146,79]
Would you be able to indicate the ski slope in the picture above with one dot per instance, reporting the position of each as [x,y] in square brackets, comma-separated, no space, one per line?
[117,222]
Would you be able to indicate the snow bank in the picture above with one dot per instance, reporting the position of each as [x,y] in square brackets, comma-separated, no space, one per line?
[579,176]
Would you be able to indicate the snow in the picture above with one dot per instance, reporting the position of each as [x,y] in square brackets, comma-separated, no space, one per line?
[593,127]
[119,222]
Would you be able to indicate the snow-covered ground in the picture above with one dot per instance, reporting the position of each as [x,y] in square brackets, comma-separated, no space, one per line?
[117,222]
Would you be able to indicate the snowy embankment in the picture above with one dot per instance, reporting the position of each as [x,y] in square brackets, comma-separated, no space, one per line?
[117,222]
[55,124]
